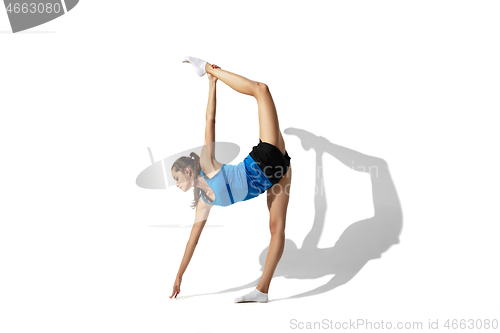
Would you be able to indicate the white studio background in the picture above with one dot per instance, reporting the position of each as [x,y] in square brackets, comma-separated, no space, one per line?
[83,248]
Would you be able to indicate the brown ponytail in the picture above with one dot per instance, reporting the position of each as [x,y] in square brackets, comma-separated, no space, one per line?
[192,162]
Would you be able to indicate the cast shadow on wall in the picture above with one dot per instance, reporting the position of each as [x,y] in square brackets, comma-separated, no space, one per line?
[360,242]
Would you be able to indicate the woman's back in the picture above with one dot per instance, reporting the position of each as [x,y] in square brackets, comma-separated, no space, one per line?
[235,183]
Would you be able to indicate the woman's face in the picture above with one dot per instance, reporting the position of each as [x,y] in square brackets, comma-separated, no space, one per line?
[182,180]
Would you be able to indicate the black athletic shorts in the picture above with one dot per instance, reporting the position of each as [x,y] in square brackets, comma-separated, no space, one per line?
[271,161]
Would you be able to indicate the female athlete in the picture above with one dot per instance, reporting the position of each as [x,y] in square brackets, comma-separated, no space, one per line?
[267,168]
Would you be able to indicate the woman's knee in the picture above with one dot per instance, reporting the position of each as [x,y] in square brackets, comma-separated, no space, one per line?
[261,88]
[277,227]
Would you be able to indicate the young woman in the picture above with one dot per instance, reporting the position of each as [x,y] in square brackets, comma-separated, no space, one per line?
[266,169]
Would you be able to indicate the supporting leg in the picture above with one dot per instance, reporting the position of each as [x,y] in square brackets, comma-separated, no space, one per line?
[277,201]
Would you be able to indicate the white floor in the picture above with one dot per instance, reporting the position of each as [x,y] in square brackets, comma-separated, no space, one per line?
[84,248]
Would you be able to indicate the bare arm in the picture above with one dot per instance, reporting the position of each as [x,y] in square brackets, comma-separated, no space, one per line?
[212,87]
[207,157]
[202,212]
[191,245]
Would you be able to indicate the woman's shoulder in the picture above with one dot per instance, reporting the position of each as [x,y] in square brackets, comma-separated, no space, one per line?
[211,174]
[202,205]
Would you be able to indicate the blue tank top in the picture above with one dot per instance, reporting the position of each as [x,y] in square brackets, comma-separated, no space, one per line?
[235,183]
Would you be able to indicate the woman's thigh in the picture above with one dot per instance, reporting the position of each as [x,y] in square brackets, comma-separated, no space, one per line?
[277,200]
[269,129]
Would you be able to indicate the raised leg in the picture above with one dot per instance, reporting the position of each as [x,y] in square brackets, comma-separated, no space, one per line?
[277,202]
[269,130]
